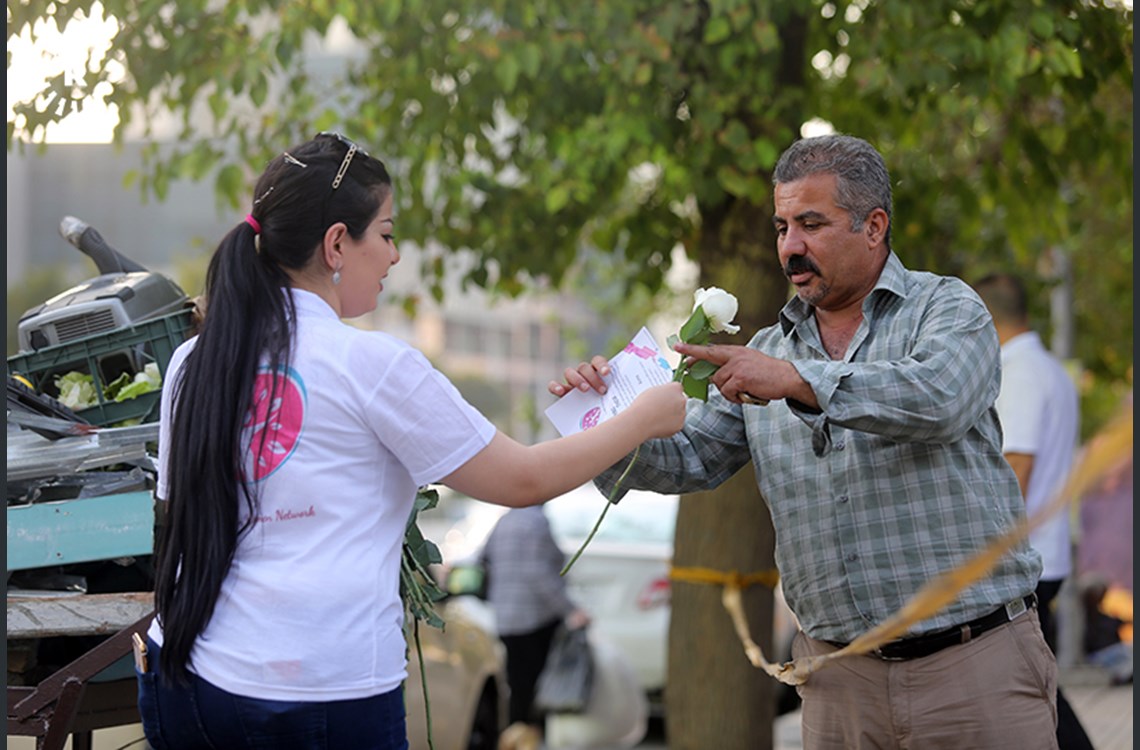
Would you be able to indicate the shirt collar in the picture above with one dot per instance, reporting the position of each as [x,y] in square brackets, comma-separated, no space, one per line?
[892,279]
[308,303]
[1027,340]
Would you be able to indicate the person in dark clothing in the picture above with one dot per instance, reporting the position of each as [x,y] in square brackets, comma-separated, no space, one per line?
[528,595]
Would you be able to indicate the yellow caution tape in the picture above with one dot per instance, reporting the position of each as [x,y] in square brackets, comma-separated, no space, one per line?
[734,578]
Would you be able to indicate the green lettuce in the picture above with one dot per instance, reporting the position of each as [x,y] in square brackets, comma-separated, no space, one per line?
[147,381]
[76,390]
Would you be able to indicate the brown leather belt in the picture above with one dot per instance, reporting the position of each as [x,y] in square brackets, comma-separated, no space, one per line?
[930,643]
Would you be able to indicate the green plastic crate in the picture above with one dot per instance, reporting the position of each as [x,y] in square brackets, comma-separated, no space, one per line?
[105,356]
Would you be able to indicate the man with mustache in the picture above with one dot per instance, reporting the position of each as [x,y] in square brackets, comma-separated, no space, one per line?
[879,455]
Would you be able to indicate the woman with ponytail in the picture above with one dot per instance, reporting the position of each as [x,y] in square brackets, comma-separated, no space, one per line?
[291,448]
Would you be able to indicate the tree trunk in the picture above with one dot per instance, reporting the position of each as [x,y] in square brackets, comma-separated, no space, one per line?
[715,697]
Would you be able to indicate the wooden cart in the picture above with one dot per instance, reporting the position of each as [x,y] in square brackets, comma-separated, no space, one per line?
[90,684]
[76,700]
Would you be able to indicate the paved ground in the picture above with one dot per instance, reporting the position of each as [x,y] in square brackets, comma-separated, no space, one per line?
[1105,712]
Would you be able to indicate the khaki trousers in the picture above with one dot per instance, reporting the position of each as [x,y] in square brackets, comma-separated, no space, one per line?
[993,693]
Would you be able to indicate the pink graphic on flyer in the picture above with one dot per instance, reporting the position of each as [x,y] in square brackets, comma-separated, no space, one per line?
[591,418]
[648,353]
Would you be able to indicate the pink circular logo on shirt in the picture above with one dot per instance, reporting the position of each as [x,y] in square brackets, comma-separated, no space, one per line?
[273,424]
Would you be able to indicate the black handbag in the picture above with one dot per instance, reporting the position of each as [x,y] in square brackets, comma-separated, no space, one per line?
[565,682]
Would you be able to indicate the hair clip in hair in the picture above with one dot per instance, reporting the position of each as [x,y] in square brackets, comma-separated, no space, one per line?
[352,149]
[263,196]
[294,160]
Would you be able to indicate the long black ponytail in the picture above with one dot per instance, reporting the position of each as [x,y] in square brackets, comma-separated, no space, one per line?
[247,325]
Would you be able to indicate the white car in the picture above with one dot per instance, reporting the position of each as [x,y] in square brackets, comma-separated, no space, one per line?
[621,578]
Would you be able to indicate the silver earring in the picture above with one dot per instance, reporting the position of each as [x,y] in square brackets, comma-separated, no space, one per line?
[336,277]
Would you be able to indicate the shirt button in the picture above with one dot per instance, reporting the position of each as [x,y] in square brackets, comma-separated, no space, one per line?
[842,498]
[852,557]
[840,445]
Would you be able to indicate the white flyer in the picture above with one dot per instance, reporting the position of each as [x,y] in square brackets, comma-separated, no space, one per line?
[640,365]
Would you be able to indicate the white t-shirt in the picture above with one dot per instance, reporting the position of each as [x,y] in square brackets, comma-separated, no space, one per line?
[1039,413]
[310,609]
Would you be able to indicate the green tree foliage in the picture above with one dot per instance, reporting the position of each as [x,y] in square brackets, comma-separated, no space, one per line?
[522,130]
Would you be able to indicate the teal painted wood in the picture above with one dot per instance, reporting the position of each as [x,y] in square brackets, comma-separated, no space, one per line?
[84,530]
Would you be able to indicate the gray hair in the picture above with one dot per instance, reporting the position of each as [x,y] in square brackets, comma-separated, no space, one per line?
[863,183]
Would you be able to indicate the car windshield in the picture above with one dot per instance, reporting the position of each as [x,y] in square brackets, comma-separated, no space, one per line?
[640,517]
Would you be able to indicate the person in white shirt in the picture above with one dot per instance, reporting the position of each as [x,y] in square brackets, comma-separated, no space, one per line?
[1039,412]
[291,449]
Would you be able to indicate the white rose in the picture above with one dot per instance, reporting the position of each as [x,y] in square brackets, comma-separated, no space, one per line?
[720,308]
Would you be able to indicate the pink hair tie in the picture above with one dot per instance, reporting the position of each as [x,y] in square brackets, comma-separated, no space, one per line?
[253,223]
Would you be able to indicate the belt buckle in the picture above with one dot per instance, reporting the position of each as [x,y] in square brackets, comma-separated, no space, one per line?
[878,653]
[1015,609]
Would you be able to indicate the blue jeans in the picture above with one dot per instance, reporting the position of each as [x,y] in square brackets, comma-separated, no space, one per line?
[201,716]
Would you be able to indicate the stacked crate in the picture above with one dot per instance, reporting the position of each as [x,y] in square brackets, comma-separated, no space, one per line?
[105,357]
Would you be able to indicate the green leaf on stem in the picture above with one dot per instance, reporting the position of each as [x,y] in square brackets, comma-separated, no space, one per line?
[695,387]
[426,499]
[695,330]
[702,369]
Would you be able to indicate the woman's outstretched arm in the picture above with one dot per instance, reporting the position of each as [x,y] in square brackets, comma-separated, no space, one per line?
[509,473]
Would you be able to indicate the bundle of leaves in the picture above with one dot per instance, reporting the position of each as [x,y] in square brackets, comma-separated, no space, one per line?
[418,588]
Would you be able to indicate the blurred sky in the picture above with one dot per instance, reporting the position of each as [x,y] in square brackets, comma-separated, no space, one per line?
[54,52]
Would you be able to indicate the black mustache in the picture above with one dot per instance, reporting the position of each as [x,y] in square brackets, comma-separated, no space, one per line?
[799,264]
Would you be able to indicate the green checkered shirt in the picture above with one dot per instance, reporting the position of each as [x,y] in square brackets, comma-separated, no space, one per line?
[899,477]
